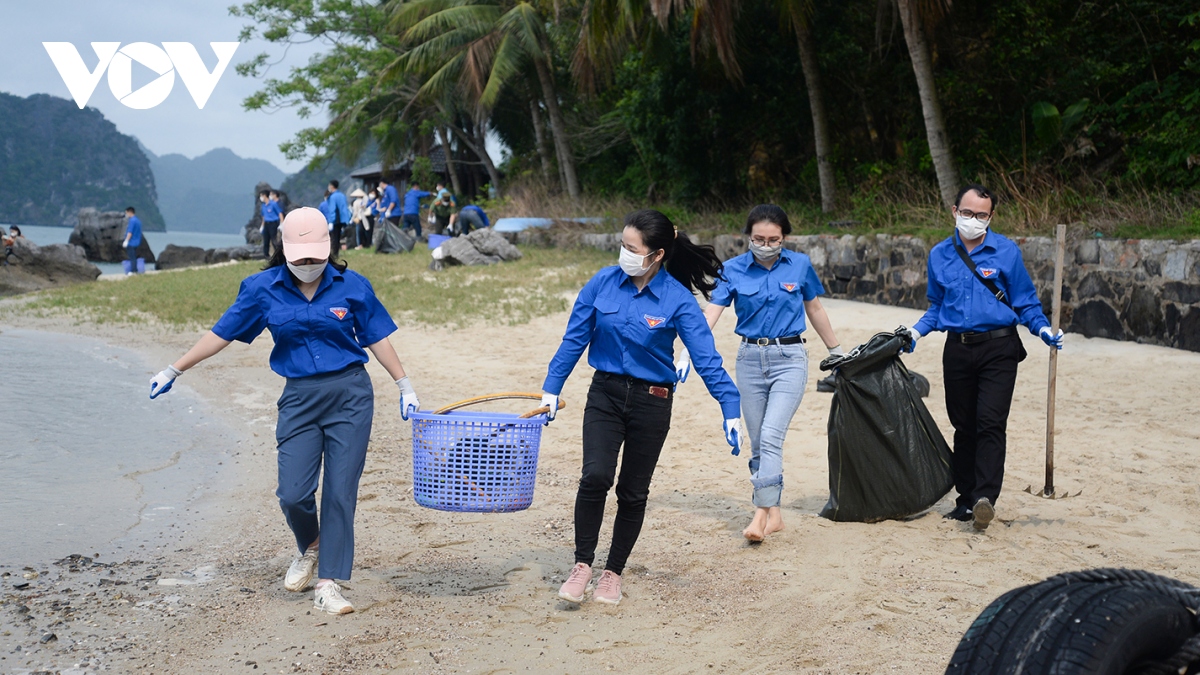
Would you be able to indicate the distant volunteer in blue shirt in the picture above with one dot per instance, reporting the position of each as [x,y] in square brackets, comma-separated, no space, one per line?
[983,349]
[133,239]
[627,317]
[771,289]
[338,214]
[321,317]
[271,213]
[471,216]
[412,207]
[389,202]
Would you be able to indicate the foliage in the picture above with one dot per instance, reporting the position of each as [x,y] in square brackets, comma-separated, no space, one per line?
[1066,108]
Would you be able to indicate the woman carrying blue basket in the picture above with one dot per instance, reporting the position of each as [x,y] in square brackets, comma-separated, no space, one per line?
[629,315]
[771,289]
[321,316]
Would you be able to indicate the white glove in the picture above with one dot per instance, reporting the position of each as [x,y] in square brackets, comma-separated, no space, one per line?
[261,228]
[683,366]
[162,382]
[330,228]
[408,398]
[125,244]
[733,429]
[915,335]
[551,401]
[836,350]
[1050,338]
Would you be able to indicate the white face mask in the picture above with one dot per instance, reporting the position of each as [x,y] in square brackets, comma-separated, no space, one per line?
[308,273]
[632,263]
[970,228]
[765,253]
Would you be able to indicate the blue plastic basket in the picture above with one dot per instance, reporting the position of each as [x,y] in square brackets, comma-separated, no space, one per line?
[473,461]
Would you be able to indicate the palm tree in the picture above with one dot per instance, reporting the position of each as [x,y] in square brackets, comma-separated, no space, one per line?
[609,26]
[914,16]
[479,48]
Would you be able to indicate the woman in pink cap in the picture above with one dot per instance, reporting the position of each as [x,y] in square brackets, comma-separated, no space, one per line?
[321,317]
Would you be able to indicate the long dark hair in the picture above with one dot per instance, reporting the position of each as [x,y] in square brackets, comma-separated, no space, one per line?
[695,266]
[768,213]
[278,260]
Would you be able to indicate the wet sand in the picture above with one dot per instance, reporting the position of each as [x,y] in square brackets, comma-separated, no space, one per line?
[443,592]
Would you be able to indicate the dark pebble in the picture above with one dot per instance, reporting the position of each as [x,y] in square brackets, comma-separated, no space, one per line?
[48,637]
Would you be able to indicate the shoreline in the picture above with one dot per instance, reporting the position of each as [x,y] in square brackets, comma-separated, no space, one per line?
[445,592]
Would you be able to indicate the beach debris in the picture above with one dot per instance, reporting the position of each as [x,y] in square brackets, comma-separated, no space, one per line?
[21,585]
[47,637]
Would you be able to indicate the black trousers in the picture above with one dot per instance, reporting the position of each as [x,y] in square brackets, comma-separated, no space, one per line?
[620,411]
[270,231]
[335,238]
[979,382]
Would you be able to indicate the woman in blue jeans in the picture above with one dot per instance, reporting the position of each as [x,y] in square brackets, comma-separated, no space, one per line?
[771,289]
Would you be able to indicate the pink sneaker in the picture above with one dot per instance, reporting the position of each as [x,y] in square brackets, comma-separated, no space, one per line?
[608,589]
[575,586]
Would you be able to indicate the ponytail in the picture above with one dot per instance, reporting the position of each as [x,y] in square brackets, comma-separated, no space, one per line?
[695,266]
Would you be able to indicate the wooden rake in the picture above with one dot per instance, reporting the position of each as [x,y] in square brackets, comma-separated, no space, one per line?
[1048,491]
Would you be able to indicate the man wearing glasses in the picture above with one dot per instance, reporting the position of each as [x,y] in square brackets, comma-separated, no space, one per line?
[979,290]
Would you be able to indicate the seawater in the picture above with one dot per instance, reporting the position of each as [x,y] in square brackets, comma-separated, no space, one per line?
[42,236]
[88,462]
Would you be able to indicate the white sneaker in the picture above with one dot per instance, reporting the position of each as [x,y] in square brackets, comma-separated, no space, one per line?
[328,599]
[300,574]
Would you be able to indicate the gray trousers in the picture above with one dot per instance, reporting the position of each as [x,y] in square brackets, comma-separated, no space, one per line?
[324,420]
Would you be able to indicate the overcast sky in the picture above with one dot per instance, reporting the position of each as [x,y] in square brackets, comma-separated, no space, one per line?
[176,125]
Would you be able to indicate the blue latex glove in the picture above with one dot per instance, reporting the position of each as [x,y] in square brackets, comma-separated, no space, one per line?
[162,382]
[1050,338]
[550,401]
[683,366]
[912,333]
[408,398]
[732,432]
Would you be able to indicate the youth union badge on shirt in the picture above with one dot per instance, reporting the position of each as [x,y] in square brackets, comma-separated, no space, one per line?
[987,272]
[790,288]
[339,312]
[653,321]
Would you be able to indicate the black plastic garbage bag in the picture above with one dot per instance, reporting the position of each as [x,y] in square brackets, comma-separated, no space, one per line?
[391,239]
[887,458]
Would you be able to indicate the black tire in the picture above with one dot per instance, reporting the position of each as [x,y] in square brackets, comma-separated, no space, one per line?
[1059,628]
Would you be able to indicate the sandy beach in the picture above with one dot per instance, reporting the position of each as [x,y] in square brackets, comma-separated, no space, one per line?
[441,592]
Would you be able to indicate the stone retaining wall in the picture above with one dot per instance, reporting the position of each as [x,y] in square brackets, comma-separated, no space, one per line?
[1123,289]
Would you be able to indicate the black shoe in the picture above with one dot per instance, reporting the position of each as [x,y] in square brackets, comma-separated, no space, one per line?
[960,513]
[983,514]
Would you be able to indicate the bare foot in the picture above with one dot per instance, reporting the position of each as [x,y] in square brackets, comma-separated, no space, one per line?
[774,520]
[755,531]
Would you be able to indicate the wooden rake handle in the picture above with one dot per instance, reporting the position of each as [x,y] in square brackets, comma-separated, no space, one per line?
[501,397]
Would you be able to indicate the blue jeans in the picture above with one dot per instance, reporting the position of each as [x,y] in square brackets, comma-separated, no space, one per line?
[771,380]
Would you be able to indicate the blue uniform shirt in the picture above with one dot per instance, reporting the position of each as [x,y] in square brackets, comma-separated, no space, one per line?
[412,201]
[388,200]
[769,303]
[134,229]
[482,215]
[338,208]
[960,303]
[633,333]
[321,336]
[271,210]
[326,209]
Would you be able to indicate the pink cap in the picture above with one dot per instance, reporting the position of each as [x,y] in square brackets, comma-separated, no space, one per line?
[305,235]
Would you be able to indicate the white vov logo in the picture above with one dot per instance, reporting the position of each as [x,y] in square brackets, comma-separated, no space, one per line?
[172,57]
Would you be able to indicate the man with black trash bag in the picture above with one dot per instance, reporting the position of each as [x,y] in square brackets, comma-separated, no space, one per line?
[979,290]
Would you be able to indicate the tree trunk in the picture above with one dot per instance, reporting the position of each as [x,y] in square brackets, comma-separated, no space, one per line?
[935,123]
[558,129]
[444,139]
[816,103]
[480,149]
[539,132]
